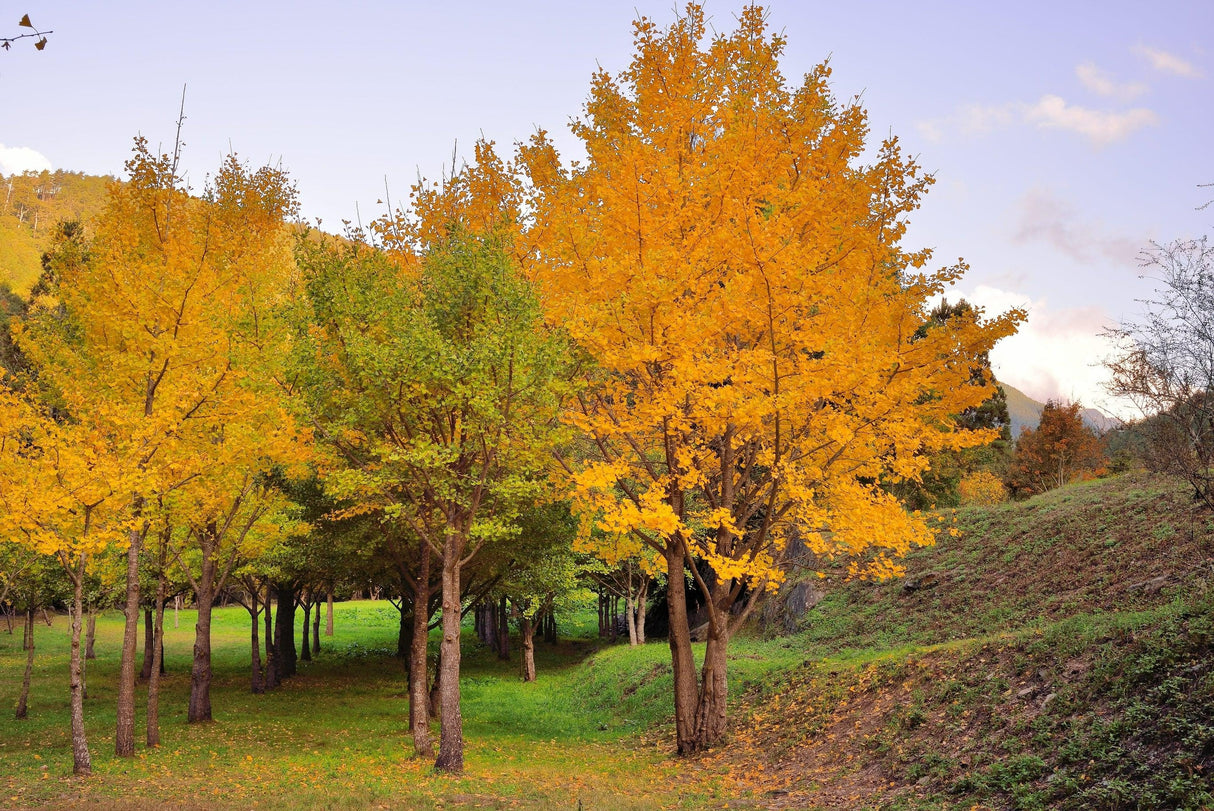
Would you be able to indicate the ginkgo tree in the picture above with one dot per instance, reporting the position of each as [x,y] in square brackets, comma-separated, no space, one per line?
[59,486]
[157,332]
[731,259]
[430,375]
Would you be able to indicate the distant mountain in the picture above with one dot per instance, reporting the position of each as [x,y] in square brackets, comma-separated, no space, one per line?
[30,206]
[1026,412]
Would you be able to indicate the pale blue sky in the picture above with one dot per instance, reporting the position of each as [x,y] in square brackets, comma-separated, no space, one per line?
[1064,135]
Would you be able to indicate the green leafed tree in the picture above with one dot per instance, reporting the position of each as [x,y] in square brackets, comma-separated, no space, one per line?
[438,388]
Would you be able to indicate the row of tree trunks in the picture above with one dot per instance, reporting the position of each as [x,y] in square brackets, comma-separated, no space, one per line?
[634,613]
[491,622]
[609,615]
[547,623]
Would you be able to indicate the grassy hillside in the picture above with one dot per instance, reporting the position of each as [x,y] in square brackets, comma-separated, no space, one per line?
[1058,654]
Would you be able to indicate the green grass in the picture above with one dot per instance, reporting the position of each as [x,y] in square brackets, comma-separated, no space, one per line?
[1036,671]
[335,736]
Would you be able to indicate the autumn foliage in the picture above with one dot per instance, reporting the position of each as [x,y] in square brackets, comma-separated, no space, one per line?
[1060,450]
[735,270]
[707,335]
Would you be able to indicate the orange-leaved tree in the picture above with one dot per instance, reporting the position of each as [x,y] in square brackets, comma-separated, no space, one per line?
[1058,451]
[58,496]
[734,268]
[157,333]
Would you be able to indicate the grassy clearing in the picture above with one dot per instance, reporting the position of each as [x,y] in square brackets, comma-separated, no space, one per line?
[333,736]
[1060,654]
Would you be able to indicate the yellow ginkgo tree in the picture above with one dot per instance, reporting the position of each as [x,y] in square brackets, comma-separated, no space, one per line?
[730,256]
[160,332]
[58,486]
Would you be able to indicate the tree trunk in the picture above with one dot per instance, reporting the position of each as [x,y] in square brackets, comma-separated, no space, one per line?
[503,629]
[528,633]
[451,730]
[272,679]
[682,660]
[710,720]
[329,614]
[90,635]
[200,674]
[404,633]
[316,628]
[81,762]
[419,672]
[284,634]
[630,616]
[23,700]
[305,649]
[641,611]
[153,731]
[124,732]
[148,644]
[255,684]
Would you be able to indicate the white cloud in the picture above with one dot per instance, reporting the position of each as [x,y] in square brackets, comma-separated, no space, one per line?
[17,159]
[1051,112]
[1045,217]
[1169,63]
[970,120]
[1099,126]
[1102,83]
[1056,354]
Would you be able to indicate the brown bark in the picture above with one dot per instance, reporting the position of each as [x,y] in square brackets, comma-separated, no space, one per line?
[81,762]
[272,677]
[255,684]
[710,719]
[682,660]
[153,726]
[316,628]
[305,648]
[451,732]
[124,732]
[200,673]
[419,673]
[527,630]
[503,630]
[90,635]
[329,614]
[641,599]
[284,630]
[148,645]
[23,700]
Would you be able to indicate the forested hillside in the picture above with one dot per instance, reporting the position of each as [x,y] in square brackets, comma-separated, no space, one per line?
[31,206]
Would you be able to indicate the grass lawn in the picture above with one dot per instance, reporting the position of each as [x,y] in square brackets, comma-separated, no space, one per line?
[335,735]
